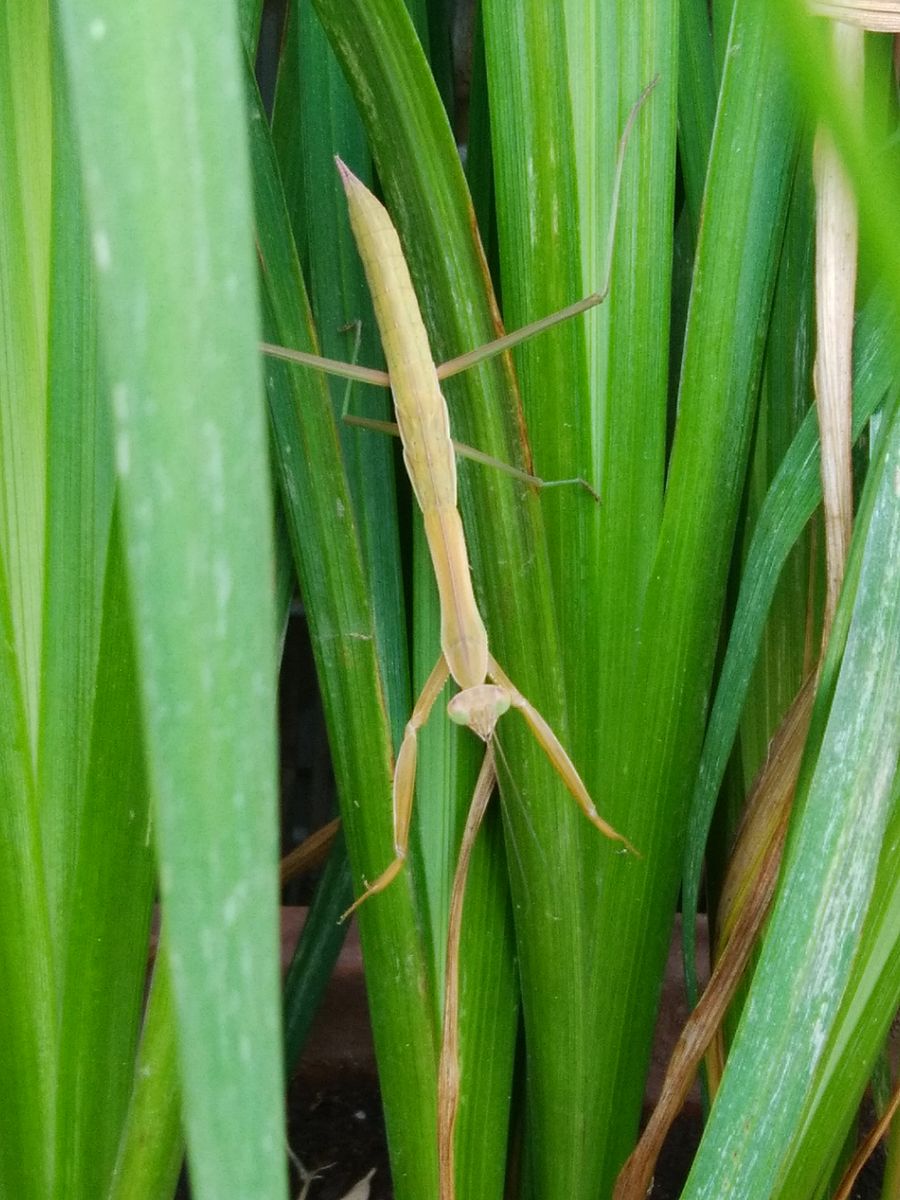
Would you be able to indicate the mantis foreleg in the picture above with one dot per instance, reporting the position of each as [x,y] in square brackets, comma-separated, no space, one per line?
[405,781]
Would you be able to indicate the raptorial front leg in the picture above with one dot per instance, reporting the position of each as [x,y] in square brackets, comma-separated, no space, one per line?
[553,748]
[405,782]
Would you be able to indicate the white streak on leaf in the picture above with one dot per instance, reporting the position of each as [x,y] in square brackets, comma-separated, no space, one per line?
[102,250]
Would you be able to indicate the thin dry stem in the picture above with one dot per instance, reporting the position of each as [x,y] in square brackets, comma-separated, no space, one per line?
[867,1148]
[311,852]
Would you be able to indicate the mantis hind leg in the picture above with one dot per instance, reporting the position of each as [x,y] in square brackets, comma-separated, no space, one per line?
[405,782]
[556,753]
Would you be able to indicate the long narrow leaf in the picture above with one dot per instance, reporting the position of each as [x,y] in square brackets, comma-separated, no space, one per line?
[25,135]
[152,1145]
[857,1036]
[97,857]
[793,496]
[747,188]
[594,395]
[326,547]
[105,962]
[696,100]
[845,797]
[157,102]
[80,491]
[27,1016]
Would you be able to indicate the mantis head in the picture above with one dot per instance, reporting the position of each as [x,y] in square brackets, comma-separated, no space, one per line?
[479,707]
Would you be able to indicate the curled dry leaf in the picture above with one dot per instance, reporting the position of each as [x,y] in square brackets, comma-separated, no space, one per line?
[878,16]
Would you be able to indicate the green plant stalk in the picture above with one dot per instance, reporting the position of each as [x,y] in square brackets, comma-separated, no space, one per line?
[27,1003]
[804,41]
[315,119]
[446,768]
[479,162]
[27,1011]
[630,419]
[80,492]
[104,964]
[249,18]
[489,1009]
[788,646]
[629,399]
[98,866]
[697,89]
[147,1167]
[720,18]
[25,137]
[156,94]
[151,1145]
[552,234]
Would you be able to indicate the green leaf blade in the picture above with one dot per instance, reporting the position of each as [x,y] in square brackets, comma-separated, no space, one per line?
[846,794]
[326,545]
[171,241]
[751,164]
[27,1011]
[794,493]
[25,135]
[109,897]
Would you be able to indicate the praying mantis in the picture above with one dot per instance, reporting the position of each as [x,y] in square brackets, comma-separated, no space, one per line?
[485,690]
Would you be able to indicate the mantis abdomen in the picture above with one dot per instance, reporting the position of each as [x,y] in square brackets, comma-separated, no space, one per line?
[424,425]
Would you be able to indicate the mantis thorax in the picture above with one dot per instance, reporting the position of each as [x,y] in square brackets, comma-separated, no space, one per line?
[479,707]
